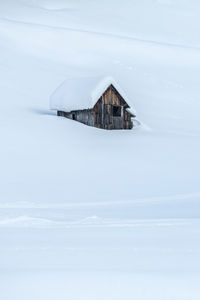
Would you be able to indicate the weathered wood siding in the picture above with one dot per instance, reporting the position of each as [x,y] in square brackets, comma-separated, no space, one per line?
[85,116]
[102,114]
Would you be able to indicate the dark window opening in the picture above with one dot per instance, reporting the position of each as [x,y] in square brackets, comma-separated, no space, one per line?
[116,111]
[73,117]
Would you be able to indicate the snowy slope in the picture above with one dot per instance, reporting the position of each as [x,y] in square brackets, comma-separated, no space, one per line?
[114,213]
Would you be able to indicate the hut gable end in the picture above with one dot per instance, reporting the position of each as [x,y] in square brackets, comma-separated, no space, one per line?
[110,111]
[112,97]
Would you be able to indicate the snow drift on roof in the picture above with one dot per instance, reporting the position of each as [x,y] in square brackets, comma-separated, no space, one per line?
[82,93]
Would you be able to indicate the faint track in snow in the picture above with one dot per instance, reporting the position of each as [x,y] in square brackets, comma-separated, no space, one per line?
[111,35]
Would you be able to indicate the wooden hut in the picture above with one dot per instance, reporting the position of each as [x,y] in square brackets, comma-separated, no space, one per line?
[98,102]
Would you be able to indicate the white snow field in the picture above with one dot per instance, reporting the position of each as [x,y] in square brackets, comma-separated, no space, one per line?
[87,213]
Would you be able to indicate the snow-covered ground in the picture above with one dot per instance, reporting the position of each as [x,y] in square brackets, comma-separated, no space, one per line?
[87,213]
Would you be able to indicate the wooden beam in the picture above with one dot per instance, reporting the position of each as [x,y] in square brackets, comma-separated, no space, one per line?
[102,110]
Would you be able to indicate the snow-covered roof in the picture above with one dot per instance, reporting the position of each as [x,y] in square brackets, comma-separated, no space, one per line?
[83,93]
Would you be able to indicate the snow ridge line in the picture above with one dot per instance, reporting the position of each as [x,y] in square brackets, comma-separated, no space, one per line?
[111,35]
[97,204]
[94,221]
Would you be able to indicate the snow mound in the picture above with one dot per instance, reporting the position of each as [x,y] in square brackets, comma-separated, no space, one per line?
[93,220]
